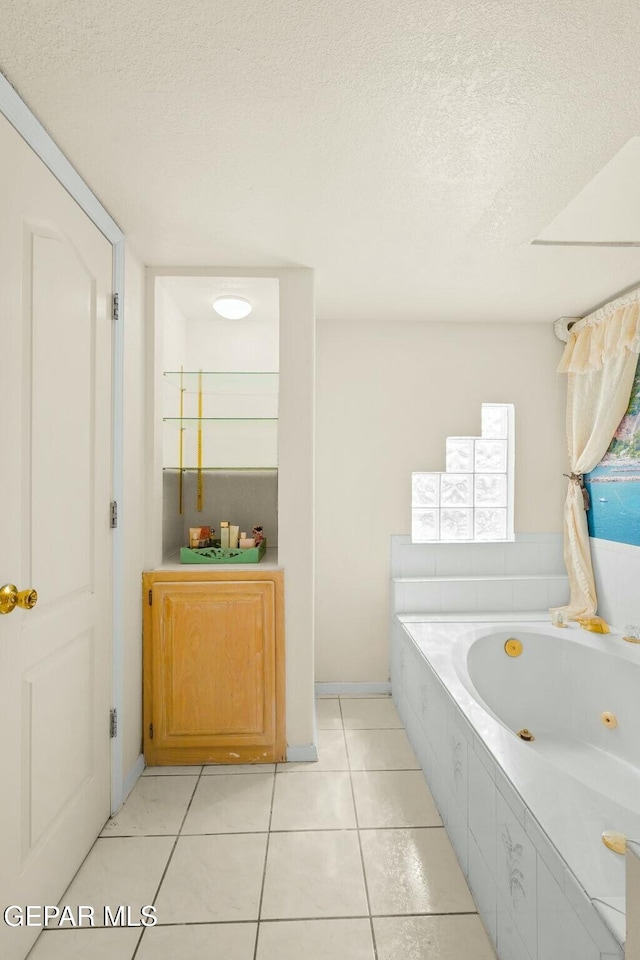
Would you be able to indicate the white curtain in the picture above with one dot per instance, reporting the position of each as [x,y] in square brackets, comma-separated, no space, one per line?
[600,359]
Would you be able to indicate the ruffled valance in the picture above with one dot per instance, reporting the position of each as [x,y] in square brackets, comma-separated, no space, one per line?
[603,335]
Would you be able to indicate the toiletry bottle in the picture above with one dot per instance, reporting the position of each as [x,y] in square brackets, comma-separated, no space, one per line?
[224,533]
[233,536]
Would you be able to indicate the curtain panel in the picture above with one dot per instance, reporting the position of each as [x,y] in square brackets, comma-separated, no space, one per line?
[600,360]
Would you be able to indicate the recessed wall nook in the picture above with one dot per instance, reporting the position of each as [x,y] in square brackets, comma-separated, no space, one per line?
[220,387]
[231,377]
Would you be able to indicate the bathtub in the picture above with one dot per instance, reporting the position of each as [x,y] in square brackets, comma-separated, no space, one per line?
[526,818]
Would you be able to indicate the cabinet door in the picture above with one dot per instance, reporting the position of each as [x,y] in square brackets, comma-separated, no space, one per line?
[214,680]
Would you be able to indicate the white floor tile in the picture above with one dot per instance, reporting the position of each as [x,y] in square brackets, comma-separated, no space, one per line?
[171,771]
[314,875]
[315,940]
[380,750]
[213,879]
[313,801]
[231,804]
[432,938]
[413,871]
[226,769]
[332,755]
[364,714]
[120,870]
[223,941]
[314,903]
[328,714]
[156,805]
[394,798]
[80,944]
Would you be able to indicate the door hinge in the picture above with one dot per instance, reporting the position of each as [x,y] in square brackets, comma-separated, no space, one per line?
[150,598]
[113,723]
[114,514]
[116,308]
[150,731]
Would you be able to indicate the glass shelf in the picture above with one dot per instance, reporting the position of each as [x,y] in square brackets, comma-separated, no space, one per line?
[194,421]
[220,382]
[269,468]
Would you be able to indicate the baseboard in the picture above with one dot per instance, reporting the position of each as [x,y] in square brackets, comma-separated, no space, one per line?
[133,776]
[307,752]
[352,689]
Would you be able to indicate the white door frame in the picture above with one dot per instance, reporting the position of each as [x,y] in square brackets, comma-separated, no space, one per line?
[34,134]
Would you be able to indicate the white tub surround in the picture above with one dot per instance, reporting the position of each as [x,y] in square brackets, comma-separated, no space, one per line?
[526,819]
[442,578]
[617,571]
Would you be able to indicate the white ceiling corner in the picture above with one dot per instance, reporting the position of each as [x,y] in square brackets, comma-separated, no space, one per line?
[408,152]
[607,209]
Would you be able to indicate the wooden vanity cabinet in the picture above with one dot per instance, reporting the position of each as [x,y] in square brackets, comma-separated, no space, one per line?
[214,667]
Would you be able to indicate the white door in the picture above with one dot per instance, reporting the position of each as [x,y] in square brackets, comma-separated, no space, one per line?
[55,470]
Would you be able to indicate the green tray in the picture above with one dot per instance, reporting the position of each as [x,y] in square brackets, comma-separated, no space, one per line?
[219,554]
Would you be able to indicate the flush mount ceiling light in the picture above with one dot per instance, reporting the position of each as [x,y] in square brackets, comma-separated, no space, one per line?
[232,308]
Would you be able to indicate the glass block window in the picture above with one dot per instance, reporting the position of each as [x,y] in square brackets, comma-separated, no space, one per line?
[473,498]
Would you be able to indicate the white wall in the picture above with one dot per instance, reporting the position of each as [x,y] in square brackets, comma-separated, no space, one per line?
[173,326]
[249,344]
[388,394]
[132,510]
[174,332]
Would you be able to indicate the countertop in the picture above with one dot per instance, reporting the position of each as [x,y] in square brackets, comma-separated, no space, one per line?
[269,562]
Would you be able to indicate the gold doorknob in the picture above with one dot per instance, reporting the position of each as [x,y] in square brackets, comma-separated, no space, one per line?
[27,599]
[11,597]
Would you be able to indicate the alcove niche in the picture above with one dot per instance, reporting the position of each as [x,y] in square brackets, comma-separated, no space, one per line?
[293,528]
[219,406]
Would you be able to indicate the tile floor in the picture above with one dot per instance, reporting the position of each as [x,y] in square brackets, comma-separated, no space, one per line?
[343,859]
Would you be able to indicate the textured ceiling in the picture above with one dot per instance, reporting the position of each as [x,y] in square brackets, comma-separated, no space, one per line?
[408,151]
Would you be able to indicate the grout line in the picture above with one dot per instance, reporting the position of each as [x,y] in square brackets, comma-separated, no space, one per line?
[358,916]
[166,867]
[435,913]
[236,922]
[377,729]
[360,769]
[241,833]
[264,871]
[355,810]
[165,776]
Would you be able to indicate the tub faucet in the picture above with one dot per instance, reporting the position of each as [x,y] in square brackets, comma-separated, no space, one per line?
[594,624]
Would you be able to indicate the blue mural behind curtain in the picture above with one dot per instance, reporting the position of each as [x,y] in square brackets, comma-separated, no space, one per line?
[614,485]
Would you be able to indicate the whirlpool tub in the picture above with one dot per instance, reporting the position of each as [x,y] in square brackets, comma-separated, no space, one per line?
[527,817]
